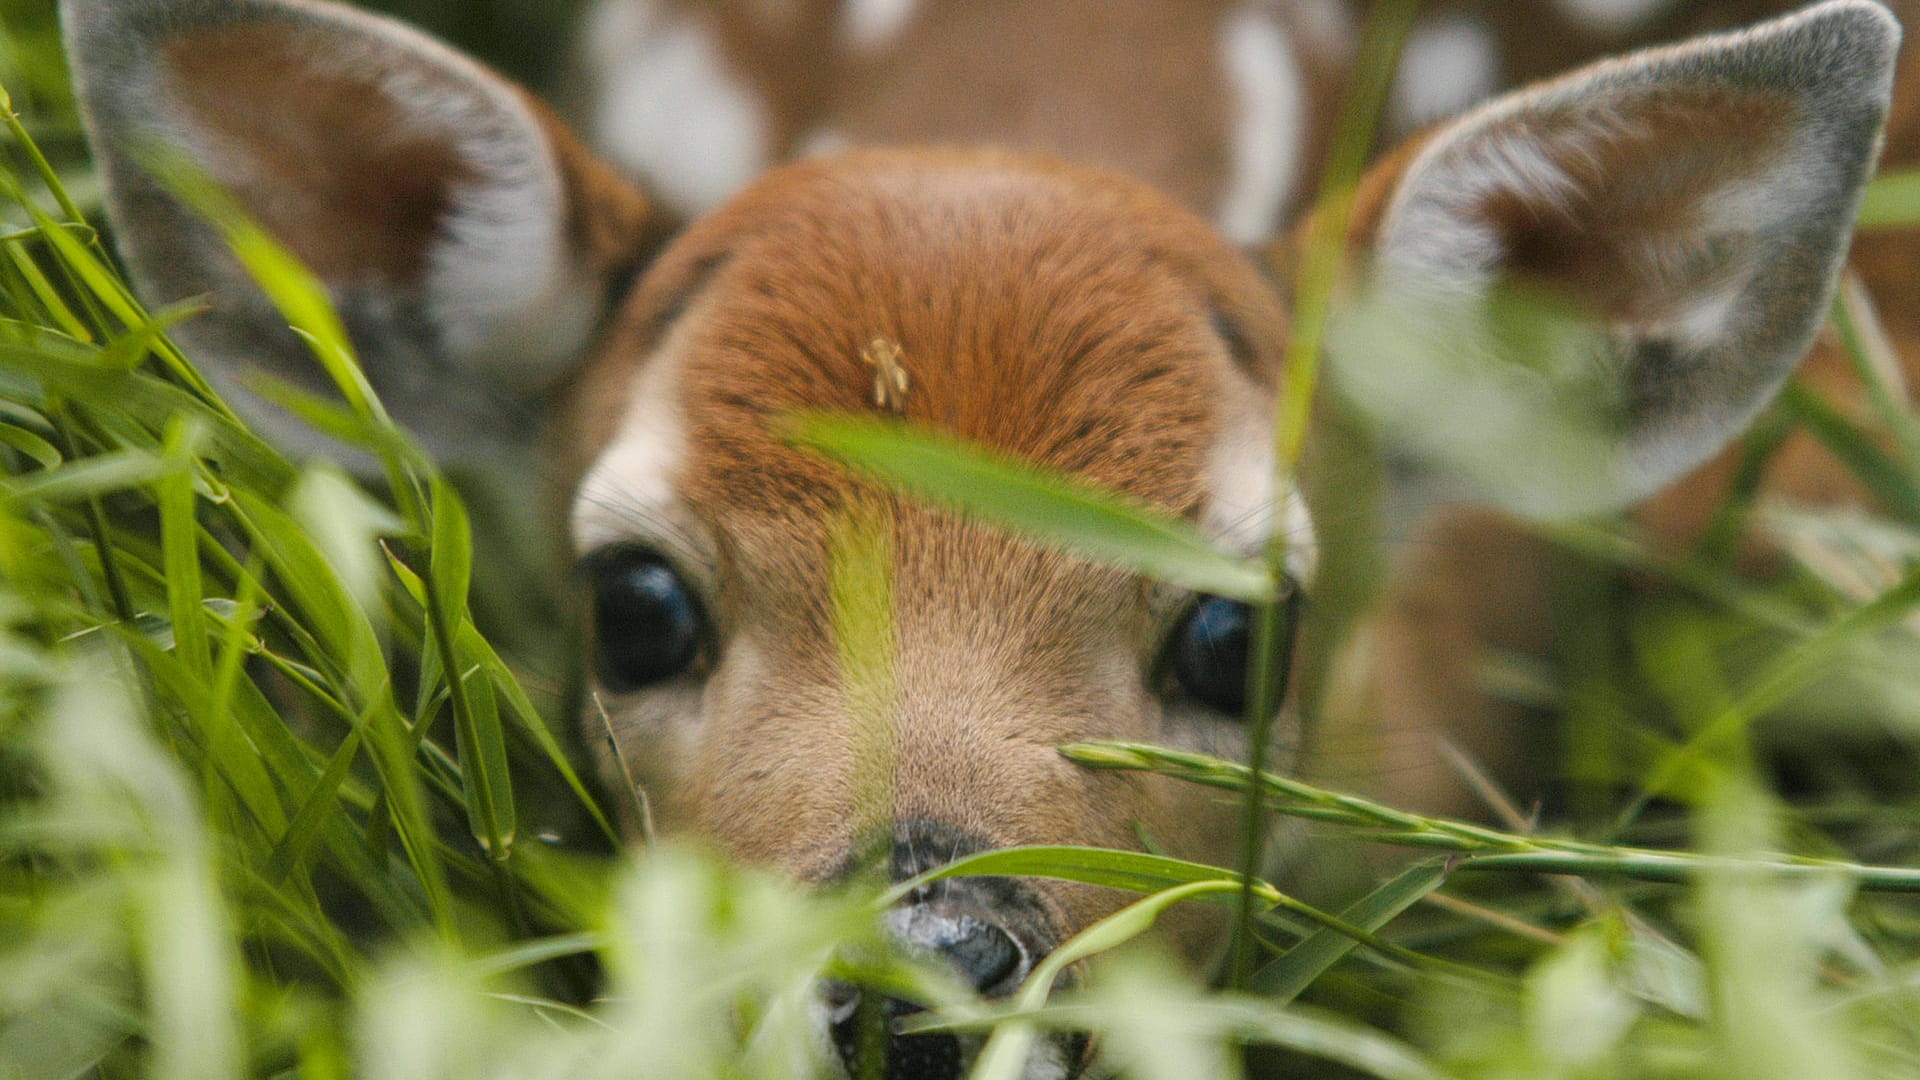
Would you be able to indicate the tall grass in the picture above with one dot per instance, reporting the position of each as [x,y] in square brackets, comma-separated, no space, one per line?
[272,805]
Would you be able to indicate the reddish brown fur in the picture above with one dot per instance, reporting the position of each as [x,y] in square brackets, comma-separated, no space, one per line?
[1055,313]
[1467,583]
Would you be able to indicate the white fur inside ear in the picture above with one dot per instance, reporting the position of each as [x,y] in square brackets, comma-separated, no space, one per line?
[1438,243]
[1267,126]
[1717,180]
[671,109]
[503,286]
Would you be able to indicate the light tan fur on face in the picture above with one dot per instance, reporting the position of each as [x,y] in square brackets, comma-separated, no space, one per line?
[1061,315]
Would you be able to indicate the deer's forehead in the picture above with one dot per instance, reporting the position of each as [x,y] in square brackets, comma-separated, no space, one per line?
[1084,324]
[1037,311]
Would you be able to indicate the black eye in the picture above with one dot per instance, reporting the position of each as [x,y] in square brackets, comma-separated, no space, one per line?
[1209,653]
[648,624]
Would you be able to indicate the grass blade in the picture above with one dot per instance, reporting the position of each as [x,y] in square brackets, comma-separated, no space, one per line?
[1046,506]
[1286,978]
[1134,871]
[1892,202]
[478,740]
[1489,848]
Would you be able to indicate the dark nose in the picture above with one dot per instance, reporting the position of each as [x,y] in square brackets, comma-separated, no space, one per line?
[983,954]
[990,931]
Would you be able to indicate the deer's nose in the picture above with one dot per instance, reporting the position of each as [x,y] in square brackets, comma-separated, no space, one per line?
[985,954]
[979,949]
[990,931]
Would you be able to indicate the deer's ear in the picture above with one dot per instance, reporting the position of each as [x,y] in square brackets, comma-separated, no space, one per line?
[467,239]
[1691,207]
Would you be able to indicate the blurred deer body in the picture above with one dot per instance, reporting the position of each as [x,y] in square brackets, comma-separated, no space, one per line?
[1469,584]
[1232,116]
[1096,314]
[1228,117]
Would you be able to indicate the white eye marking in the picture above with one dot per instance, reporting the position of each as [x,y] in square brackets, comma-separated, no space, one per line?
[1240,476]
[1447,65]
[1267,129]
[671,110]
[872,25]
[629,489]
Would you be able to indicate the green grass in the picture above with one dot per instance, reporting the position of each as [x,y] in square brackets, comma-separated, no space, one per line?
[272,805]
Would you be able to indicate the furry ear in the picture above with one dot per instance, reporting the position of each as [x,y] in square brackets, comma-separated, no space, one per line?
[467,239]
[1688,208]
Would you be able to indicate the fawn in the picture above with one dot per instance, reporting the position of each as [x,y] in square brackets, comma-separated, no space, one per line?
[558,330]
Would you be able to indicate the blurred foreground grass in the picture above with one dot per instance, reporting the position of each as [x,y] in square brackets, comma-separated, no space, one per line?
[271,805]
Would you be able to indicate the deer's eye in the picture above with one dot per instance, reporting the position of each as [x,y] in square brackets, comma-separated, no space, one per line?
[1208,653]
[648,624]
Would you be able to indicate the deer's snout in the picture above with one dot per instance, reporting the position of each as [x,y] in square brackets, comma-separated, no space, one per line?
[990,930]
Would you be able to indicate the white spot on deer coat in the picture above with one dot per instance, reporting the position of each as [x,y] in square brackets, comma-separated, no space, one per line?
[1267,126]
[1447,66]
[671,110]
[823,142]
[871,25]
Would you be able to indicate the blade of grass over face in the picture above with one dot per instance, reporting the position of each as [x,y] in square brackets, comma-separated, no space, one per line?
[1130,870]
[1137,872]
[1007,1049]
[1274,621]
[861,596]
[1046,506]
